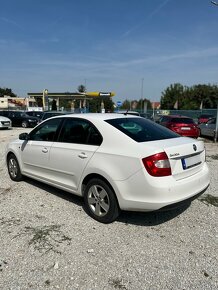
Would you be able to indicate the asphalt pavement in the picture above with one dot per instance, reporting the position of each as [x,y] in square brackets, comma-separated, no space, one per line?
[49,242]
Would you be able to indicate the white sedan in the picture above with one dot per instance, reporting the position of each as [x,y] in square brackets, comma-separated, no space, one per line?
[116,162]
[5,122]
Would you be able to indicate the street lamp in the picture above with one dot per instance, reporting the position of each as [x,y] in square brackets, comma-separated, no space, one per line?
[142,91]
[216,128]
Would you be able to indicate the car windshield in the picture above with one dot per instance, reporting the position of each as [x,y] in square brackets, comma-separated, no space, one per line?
[182,120]
[142,130]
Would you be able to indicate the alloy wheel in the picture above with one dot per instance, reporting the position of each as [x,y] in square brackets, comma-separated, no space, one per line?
[13,167]
[98,200]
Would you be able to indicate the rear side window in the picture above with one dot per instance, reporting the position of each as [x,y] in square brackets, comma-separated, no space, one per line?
[80,131]
[142,130]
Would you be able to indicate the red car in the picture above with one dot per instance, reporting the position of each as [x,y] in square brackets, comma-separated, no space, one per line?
[181,125]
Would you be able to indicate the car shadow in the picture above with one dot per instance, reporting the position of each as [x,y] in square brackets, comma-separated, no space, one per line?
[78,200]
[153,218]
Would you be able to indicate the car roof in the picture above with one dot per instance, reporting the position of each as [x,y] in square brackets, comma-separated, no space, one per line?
[98,116]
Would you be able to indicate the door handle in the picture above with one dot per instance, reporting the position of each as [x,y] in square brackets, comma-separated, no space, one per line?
[45,150]
[82,155]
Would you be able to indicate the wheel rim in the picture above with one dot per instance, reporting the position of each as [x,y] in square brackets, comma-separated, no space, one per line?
[24,124]
[98,200]
[13,167]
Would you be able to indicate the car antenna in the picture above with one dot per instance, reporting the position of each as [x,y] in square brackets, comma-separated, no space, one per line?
[126,112]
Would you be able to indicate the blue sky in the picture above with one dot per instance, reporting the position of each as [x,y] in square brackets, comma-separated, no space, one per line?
[108,45]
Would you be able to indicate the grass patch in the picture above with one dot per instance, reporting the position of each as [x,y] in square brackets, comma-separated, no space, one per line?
[46,238]
[4,190]
[10,221]
[117,283]
[209,199]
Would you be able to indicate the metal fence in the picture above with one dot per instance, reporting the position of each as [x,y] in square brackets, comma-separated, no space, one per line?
[189,113]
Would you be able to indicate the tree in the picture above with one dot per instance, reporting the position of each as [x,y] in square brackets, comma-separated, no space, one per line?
[95,104]
[190,98]
[171,95]
[81,89]
[7,92]
[141,103]
[126,105]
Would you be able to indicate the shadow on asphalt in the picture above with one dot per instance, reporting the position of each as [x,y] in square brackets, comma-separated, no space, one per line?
[127,217]
[78,200]
[151,218]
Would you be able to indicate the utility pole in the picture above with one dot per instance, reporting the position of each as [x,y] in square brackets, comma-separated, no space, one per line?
[216,127]
[142,93]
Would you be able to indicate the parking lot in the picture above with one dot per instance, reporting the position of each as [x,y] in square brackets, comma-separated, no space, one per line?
[49,242]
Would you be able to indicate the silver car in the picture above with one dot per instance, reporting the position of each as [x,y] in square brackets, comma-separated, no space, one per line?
[208,128]
[5,122]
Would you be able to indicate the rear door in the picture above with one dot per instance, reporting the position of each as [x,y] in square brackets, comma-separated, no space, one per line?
[78,141]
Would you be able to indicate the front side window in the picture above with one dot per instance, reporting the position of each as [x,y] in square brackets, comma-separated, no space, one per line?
[80,131]
[142,130]
[46,131]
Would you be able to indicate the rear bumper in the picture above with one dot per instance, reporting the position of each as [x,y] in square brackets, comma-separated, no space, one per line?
[139,193]
[183,202]
[191,133]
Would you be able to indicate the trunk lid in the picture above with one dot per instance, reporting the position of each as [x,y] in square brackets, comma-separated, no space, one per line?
[186,155]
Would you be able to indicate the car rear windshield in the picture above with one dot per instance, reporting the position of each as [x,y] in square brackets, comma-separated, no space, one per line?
[142,130]
[182,120]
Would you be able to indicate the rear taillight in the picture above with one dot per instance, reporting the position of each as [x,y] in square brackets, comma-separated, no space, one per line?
[157,164]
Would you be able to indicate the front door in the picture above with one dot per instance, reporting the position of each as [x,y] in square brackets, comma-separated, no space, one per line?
[36,151]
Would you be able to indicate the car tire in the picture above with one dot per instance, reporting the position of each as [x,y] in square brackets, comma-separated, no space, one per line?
[14,168]
[100,201]
[24,124]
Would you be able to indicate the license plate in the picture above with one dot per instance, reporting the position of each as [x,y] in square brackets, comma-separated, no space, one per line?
[191,162]
[185,128]
[6,123]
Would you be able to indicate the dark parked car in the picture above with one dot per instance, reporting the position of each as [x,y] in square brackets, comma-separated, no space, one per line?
[37,114]
[182,125]
[49,114]
[20,119]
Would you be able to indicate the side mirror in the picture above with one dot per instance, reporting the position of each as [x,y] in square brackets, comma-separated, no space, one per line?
[24,136]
